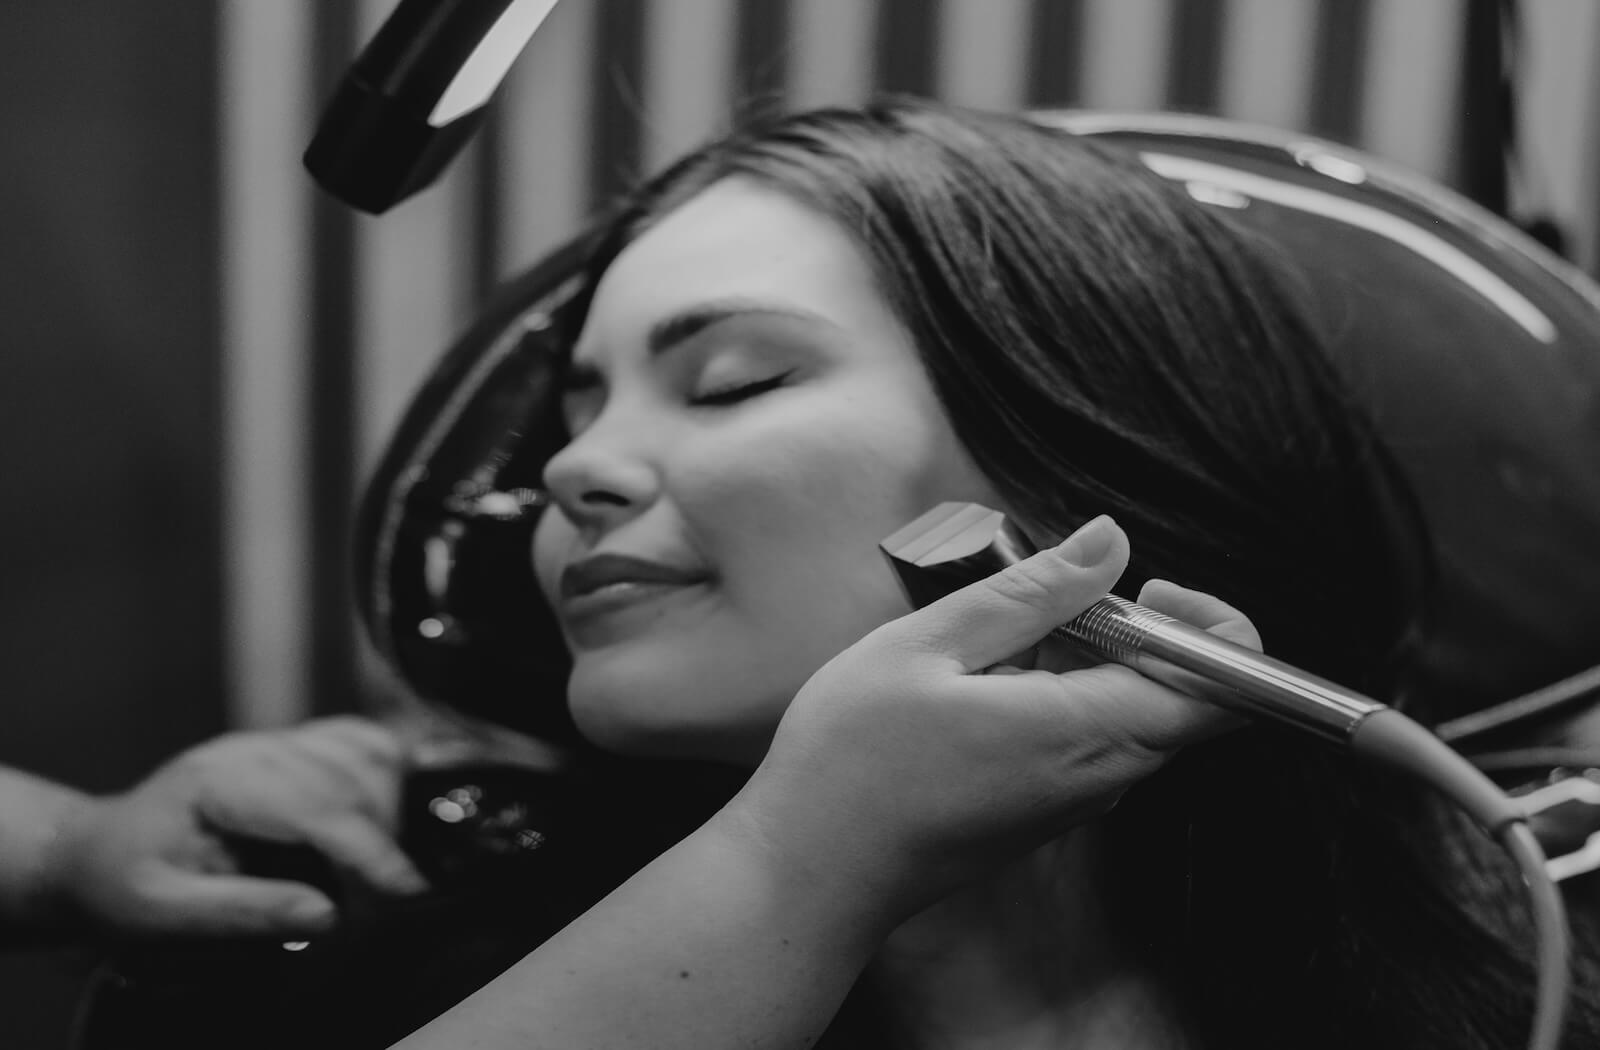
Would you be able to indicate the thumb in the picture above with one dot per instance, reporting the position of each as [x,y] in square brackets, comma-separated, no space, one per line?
[987,621]
[236,905]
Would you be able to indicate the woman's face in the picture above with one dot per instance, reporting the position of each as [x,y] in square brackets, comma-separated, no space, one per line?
[749,420]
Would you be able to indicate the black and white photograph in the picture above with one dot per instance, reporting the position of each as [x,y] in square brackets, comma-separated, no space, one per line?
[854,524]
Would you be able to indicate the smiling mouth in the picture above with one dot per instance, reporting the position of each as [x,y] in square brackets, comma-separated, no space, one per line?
[601,571]
[609,594]
[621,608]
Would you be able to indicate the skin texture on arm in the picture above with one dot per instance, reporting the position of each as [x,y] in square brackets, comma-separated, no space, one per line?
[712,945]
[900,772]
[33,812]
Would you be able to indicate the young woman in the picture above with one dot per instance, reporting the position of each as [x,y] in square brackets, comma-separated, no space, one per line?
[802,337]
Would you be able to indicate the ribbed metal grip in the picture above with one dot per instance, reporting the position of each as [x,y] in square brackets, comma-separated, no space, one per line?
[1113,627]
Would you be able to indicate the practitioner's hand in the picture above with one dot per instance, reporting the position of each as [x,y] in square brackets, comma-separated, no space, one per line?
[911,763]
[163,858]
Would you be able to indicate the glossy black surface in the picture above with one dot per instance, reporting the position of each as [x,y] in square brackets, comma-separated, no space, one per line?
[1477,350]
[1479,354]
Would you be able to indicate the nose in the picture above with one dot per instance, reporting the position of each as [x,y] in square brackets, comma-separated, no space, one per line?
[599,484]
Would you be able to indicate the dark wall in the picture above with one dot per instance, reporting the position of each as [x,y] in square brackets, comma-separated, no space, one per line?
[109,438]
[110,611]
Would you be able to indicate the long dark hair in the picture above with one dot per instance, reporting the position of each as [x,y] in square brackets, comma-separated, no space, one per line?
[1104,344]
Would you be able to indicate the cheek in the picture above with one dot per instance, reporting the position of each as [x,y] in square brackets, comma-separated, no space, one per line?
[552,537]
[836,463]
[809,487]
[794,509]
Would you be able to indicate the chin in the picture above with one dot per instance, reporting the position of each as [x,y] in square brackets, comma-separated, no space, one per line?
[648,716]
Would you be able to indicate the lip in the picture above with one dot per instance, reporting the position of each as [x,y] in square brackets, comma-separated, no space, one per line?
[611,597]
[585,579]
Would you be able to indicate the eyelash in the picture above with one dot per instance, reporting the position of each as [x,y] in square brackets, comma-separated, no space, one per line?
[730,395]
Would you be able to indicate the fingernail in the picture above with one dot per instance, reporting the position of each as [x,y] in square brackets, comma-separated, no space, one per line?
[1091,544]
[409,881]
[312,911]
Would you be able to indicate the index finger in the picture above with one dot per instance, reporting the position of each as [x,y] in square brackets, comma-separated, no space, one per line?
[367,850]
[1005,613]
[1202,610]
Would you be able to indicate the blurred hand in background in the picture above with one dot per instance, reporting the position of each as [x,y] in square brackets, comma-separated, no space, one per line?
[251,833]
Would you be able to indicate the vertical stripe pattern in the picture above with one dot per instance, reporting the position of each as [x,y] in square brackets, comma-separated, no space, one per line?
[761,37]
[906,45]
[1480,140]
[487,205]
[609,89]
[687,87]
[1336,85]
[1125,54]
[1557,169]
[981,54]
[266,102]
[616,81]
[1266,52]
[1410,88]
[831,52]
[415,271]
[1054,56]
[546,111]
[332,400]
[1194,51]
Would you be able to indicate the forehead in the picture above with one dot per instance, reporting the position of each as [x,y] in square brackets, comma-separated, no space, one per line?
[737,239]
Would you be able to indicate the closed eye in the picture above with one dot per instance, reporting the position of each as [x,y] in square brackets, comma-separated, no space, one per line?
[733,394]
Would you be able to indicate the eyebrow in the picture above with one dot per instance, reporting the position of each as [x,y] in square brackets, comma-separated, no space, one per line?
[678,328]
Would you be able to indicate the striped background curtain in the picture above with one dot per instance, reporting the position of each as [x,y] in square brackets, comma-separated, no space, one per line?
[331,319]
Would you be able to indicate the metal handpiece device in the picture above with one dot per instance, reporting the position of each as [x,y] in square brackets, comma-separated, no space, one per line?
[955,544]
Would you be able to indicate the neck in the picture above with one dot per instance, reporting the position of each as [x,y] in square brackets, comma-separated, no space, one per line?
[1030,958]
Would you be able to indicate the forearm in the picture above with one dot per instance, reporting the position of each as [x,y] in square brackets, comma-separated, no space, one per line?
[709,946]
[33,812]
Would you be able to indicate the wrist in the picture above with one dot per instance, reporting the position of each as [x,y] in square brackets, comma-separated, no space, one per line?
[55,895]
[55,890]
[39,886]
[828,861]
